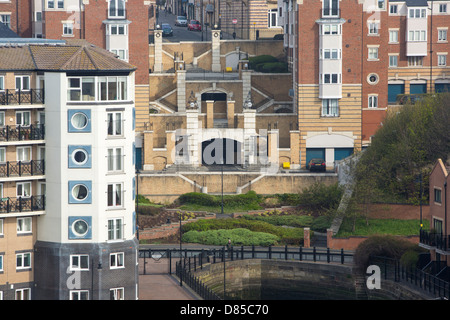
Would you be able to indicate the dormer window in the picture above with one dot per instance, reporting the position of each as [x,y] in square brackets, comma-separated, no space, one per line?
[116,9]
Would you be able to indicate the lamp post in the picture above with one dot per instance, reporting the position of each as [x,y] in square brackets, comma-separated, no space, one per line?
[137,203]
[181,273]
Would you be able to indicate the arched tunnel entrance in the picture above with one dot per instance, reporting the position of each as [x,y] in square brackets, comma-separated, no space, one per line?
[219,151]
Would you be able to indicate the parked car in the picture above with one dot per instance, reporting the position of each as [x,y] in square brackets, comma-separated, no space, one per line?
[166,30]
[317,165]
[194,25]
[181,21]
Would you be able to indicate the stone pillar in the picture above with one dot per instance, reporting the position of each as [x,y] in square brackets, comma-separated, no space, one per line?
[306,238]
[246,83]
[215,48]
[192,132]
[295,149]
[181,90]
[250,155]
[230,114]
[148,151]
[209,114]
[158,66]
[170,146]
[272,151]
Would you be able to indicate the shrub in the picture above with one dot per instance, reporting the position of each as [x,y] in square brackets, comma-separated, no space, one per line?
[383,246]
[254,61]
[273,67]
[238,236]
[320,198]
[322,223]
[149,210]
[203,199]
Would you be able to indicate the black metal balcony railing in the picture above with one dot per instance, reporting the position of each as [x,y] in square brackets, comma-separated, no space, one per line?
[21,133]
[22,168]
[32,96]
[22,204]
[435,239]
[331,13]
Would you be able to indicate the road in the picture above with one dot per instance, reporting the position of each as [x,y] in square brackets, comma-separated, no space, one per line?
[181,33]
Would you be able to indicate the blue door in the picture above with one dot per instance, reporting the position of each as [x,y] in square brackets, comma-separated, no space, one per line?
[342,153]
[418,88]
[314,153]
[138,164]
[394,90]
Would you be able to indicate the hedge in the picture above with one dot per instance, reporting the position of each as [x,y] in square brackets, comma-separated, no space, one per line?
[203,199]
[239,236]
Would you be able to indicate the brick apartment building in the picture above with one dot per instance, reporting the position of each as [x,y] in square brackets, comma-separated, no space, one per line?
[120,26]
[350,61]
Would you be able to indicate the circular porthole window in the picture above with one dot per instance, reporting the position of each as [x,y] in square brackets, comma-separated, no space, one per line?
[372,78]
[80,227]
[79,156]
[80,192]
[79,120]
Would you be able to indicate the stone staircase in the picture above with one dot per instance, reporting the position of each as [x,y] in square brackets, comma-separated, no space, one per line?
[360,287]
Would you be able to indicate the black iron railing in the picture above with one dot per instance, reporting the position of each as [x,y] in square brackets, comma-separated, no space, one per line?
[22,204]
[22,168]
[32,96]
[22,133]
[435,239]
[392,269]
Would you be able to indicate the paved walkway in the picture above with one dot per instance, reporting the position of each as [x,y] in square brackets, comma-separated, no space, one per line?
[162,287]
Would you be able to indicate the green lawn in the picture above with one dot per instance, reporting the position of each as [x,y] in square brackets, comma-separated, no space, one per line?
[380,227]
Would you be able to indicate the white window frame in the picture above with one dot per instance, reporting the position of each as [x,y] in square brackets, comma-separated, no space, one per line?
[373,27]
[393,58]
[24,85]
[272,14]
[50,4]
[68,29]
[330,108]
[117,293]
[442,35]
[442,8]
[24,186]
[415,13]
[2,155]
[115,159]
[330,54]
[1,221]
[442,59]
[25,118]
[117,198]
[117,260]
[23,154]
[24,225]
[22,256]
[331,78]
[372,54]
[417,35]
[116,13]
[415,61]
[2,83]
[23,294]
[393,9]
[115,229]
[331,29]
[393,35]
[373,101]
[115,124]
[6,19]
[60,4]
[77,294]
[77,266]
[1,267]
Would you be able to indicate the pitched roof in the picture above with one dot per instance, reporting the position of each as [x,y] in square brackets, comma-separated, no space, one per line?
[76,55]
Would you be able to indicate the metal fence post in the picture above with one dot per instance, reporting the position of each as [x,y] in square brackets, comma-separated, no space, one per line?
[300,253]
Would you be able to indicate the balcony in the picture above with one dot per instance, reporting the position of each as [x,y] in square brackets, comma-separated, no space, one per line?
[21,168]
[436,240]
[22,204]
[22,133]
[32,96]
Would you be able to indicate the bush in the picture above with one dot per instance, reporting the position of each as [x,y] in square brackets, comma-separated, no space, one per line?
[320,198]
[254,61]
[239,236]
[383,246]
[273,67]
[149,210]
[322,223]
[203,199]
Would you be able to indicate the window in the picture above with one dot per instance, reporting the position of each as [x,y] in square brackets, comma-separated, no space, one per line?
[6,20]
[79,262]
[417,35]
[443,8]
[80,228]
[415,61]
[108,88]
[115,159]
[117,29]
[393,36]
[373,78]
[331,29]
[393,9]
[373,28]
[112,88]
[23,189]
[272,18]
[393,61]
[1,262]
[437,226]
[373,101]
[437,195]
[24,225]
[330,107]
[2,83]
[23,154]
[80,156]
[115,229]
[116,260]
[2,118]
[79,120]
[1,222]
[79,295]
[23,118]
[68,29]
[373,53]
[38,16]
[115,123]
[116,294]
[122,53]
[330,7]
[23,294]
[60,4]
[80,192]
[115,195]
[116,9]
[23,260]
[442,34]
[23,83]
[380,4]
[442,60]
[331,78]
[51,4]
[331,54]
